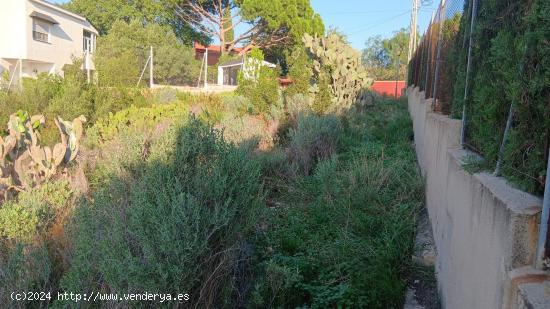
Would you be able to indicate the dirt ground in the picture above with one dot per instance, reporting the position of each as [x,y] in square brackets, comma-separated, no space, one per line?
[422,285]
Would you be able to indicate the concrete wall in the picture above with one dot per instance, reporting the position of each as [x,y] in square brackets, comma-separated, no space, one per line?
[483,228]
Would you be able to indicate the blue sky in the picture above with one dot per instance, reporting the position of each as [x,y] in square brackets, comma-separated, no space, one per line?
[361,19]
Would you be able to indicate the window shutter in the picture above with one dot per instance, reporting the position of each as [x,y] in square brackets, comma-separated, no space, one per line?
[41,27]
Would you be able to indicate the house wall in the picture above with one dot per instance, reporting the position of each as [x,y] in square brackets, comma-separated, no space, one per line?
[4,66]
[13,44]
[16,38]
[66,39]
[483,228]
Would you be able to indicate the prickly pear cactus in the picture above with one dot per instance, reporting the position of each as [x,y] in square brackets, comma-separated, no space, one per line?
[23,163]
[343,64]
[73,131]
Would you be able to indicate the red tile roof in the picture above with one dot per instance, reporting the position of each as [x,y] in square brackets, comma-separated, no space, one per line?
[214,48]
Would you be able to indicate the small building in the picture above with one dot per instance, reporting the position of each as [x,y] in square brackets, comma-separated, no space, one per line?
[40,37]
[214,52]
[229,71]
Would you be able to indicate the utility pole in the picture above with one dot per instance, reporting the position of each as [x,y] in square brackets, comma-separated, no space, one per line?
[412,32]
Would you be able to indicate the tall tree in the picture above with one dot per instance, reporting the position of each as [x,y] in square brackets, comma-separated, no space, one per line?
[122,54]
[382,56]
[104,13]
[229,34]
[274,22]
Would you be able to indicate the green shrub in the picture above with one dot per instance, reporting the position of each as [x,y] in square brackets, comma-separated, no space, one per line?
[111,100]
[299,70]
[69,97]
[33,211]
[35,98]
[29,257]
[244,128]
[134,119]
[510,62]
[314,139]
[323,96]
[238,105]
[25,267]
[260,84]
[342,237]
[297,104]
[74,98]
[172,219]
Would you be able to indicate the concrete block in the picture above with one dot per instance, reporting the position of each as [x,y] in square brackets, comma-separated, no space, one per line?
[483,227]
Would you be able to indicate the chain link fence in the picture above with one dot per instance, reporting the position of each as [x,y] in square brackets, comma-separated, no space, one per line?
[488,63]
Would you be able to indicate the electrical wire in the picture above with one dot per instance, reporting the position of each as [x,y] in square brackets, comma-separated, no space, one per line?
[379,22]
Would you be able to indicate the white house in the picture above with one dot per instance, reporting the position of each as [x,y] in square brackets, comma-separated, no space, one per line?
[229,71]
[37,36]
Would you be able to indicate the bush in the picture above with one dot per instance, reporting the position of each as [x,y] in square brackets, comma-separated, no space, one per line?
[35,98]
[314,139]
[30,250]
[239,129]
[134,119]
[260,84]
[342,237]
[25,267]
[187,237]
[509,67]
[69,97]
[74,98]
[237,105]
[299,70]
[298,104]
[34,211]
[165,95]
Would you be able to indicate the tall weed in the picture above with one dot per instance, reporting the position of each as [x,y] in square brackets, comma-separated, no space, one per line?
[175,222]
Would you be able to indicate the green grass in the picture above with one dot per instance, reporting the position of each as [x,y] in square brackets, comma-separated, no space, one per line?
[342,236]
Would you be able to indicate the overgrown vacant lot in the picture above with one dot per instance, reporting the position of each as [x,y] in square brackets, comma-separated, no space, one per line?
[234,209]
[342,234]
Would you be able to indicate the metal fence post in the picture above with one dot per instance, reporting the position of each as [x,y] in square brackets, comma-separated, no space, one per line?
[468,68]
[429,56]
[438,55]
[504,139]
[545,215]
[151,76]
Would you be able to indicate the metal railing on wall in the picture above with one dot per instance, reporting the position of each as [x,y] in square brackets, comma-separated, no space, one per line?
[452,65]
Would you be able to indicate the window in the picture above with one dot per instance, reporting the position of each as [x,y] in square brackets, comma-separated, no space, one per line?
[41,31]
[88,43]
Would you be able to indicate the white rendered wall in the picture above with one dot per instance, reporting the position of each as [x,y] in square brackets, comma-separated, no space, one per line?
[13,43]
[65,39]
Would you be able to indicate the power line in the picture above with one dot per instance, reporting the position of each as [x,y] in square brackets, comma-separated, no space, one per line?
[380,22]
[359,12]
